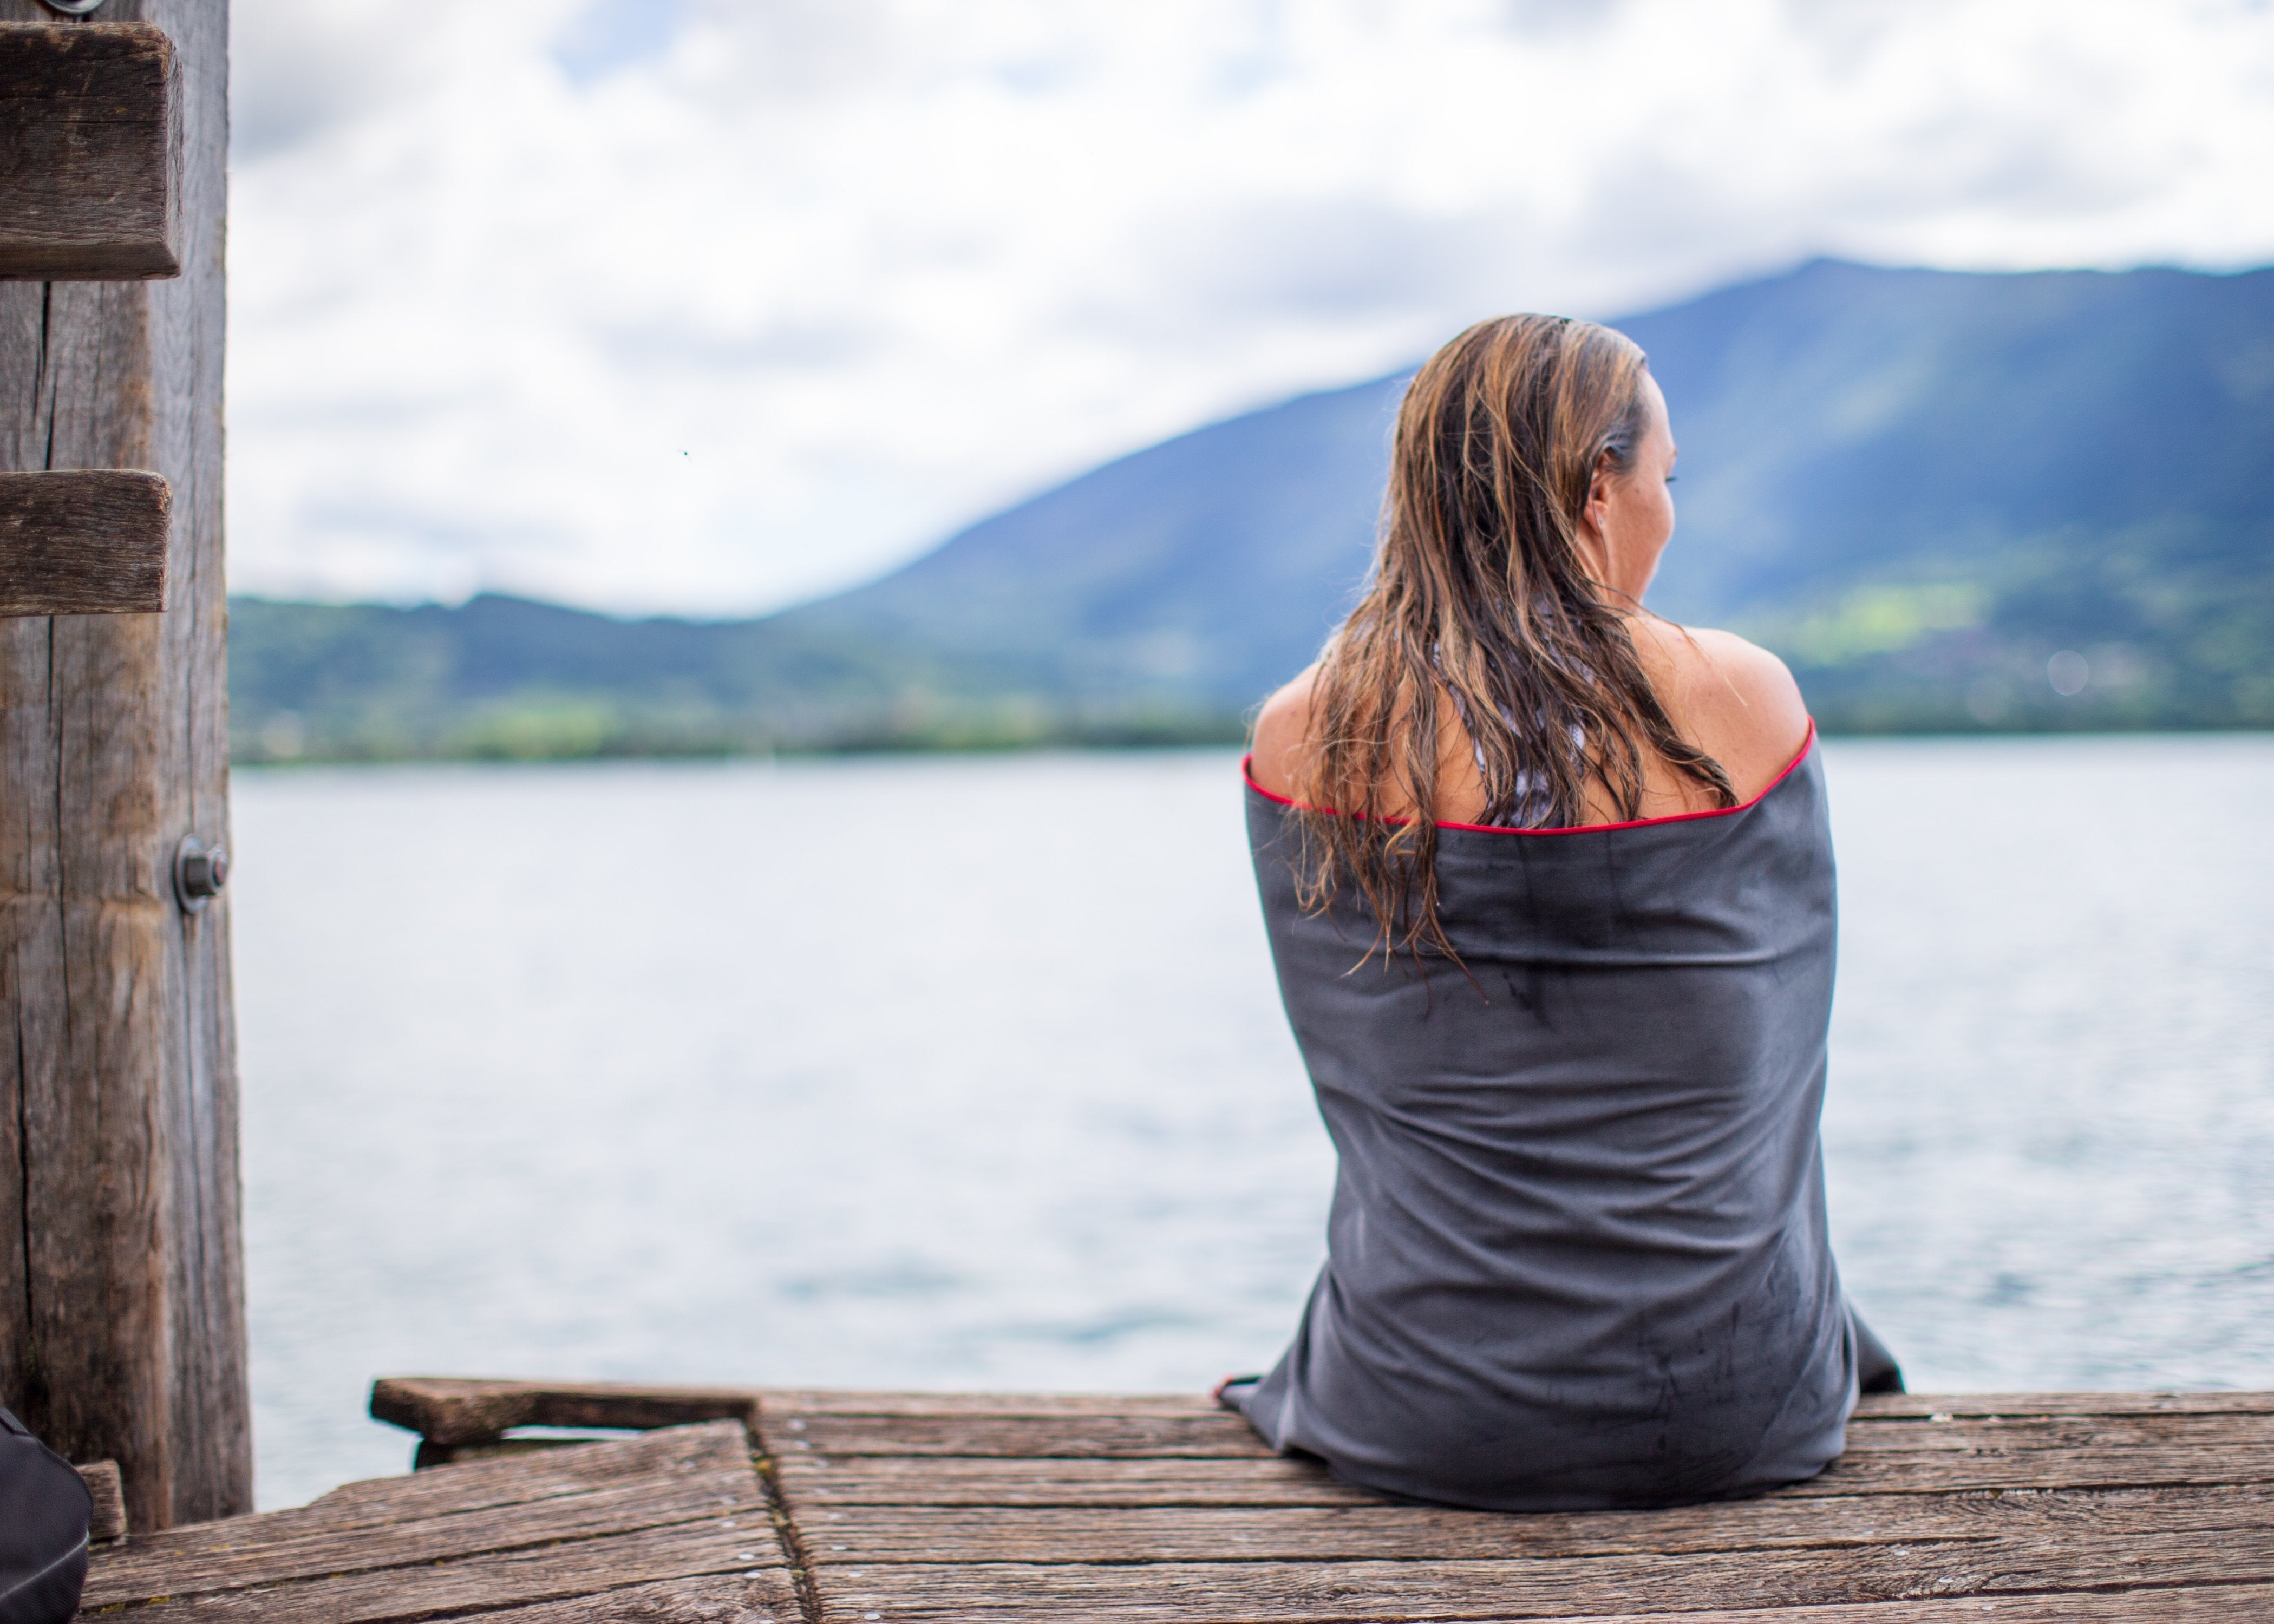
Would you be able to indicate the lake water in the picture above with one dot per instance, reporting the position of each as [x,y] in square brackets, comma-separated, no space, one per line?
[971,1072]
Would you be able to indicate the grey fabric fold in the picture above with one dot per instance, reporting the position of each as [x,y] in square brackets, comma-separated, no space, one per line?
[1578,1253]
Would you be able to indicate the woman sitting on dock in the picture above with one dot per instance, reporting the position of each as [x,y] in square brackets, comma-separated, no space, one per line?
[1550,886]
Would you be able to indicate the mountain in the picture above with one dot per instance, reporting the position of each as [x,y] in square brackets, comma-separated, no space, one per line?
[1212,565]
[1919,486]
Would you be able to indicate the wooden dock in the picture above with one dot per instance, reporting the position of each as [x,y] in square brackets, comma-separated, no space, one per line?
[122,1332]
[777,1507]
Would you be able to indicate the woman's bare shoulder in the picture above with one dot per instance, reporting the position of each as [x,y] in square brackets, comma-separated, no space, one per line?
[1733,699]
[1281,734]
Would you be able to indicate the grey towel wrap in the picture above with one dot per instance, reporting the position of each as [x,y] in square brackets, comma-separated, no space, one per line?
[1577,1256]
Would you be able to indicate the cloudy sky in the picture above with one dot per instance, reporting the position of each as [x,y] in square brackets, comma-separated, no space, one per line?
[708,305]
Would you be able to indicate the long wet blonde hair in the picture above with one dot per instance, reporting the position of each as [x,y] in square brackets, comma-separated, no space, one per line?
[1480,600]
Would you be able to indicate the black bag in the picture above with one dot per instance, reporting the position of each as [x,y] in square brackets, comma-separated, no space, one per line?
[44,1508]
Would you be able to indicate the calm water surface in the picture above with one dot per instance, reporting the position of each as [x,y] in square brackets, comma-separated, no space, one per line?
[971,1072]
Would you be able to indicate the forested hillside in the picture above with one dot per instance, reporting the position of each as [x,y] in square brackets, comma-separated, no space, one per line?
[1921,487]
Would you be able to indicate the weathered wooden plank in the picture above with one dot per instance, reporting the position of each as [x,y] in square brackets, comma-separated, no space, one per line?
[891,1534]
[1301,1593]
[106,1517]
[2070,1434]
[233,1559]
[965,1481]
[681,1601]
[712,1484]
[2206,1604]
[1068,1437]
[382,1502]
[1930,1473]
[86,541]
[953,1481]
[122,1309]
[1891,1406]
[1106,1437]
[451,1410]
[90,152]
[492,1582]
[859,1401]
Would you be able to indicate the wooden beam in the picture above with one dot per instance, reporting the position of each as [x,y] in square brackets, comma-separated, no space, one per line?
[92,542]
[122,1305]
[448,1410]
[106,1518]
[90,152]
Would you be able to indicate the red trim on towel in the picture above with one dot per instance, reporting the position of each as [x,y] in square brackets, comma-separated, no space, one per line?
[1247,772]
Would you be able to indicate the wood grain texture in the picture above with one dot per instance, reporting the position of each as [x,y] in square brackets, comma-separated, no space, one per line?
[121,1300]
[1916,1406]
[234,1560]
[1071,1437]
[1556,1588]
[491,1582]
[91,542]
[653,1527]
[453,1410]
[2049,1469]
[106,1518]
[811,1482]
[682,1601]
[897,1534]
[957,1481]
[2070,1434]
[2204,1605]
[858,1402]
[1222,1436]
[2195,1604]
[669,1527]
[699,1476]
[381,1502]
[90,152]
[2106,1506]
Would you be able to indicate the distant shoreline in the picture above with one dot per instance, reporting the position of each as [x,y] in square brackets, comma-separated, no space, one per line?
[1222,734]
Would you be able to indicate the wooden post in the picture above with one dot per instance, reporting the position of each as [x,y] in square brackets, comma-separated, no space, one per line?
[122,1318]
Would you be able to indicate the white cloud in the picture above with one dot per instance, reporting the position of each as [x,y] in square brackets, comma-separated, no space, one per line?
[706,304]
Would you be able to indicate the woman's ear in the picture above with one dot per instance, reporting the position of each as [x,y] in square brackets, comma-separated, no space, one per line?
[1595,517]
